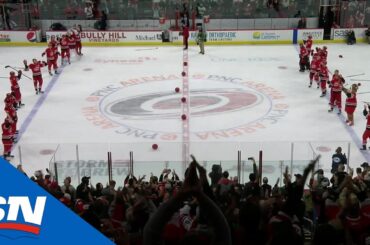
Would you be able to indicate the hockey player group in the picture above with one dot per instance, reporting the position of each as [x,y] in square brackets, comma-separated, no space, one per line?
[13,100]
[319,73]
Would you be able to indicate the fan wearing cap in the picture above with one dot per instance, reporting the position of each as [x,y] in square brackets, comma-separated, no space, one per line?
[351,102]
[337,159]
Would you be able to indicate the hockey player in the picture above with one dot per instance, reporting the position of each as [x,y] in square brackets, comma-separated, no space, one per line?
[53,42]
[366,134]
[77,34]
[15,87]
[314,69]
[64,45]
[7,139]
[336,85]
[304,62]
[51,54]
[309,44]
[12,118]
[71,42]
[324,77]
[200,39]
[185,35]
[36,73]
[10,100]
[351,102]
[325,53]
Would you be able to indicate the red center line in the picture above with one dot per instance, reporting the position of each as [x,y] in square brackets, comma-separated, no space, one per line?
[185,110]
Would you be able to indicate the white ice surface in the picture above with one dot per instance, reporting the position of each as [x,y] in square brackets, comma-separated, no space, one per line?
[69,117]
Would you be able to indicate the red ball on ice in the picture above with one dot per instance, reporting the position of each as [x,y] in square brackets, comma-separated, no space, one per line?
[177,89]
[183,99]
[154,146]
[183,117]
[185,63]
[183,74]
[340,56]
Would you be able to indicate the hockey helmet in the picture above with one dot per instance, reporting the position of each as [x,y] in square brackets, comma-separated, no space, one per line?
[354,87]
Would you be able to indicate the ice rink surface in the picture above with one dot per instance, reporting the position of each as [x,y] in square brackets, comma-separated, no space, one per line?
[123,99]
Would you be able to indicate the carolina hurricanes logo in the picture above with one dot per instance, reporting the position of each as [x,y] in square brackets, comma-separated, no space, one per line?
[166,104]
[149,107]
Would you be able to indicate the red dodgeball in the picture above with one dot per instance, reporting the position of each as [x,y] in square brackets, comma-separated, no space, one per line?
[183,99]
[177,89]
[183,117]
[340,56]
[154,146]
[183,74]
[185,63]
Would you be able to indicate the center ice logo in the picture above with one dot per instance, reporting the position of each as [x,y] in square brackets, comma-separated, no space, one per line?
[220,107]
[17,214]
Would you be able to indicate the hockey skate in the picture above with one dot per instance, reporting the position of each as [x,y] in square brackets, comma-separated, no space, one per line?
[56,72]
[330,110]
[323,94]
[310,85]
[37,92]
[350,124]
[339,112]
[363,148]
[50,73]
[6,156]
[41,92]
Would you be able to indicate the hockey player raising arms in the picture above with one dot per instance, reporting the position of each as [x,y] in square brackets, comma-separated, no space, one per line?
[35,67]
[351,102]
[336,85]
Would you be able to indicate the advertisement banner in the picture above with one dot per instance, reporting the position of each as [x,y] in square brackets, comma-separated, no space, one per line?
[317,34]
[113,36]
[270,35]
[31,215]
[20,36]
[222,36]
[341,33]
